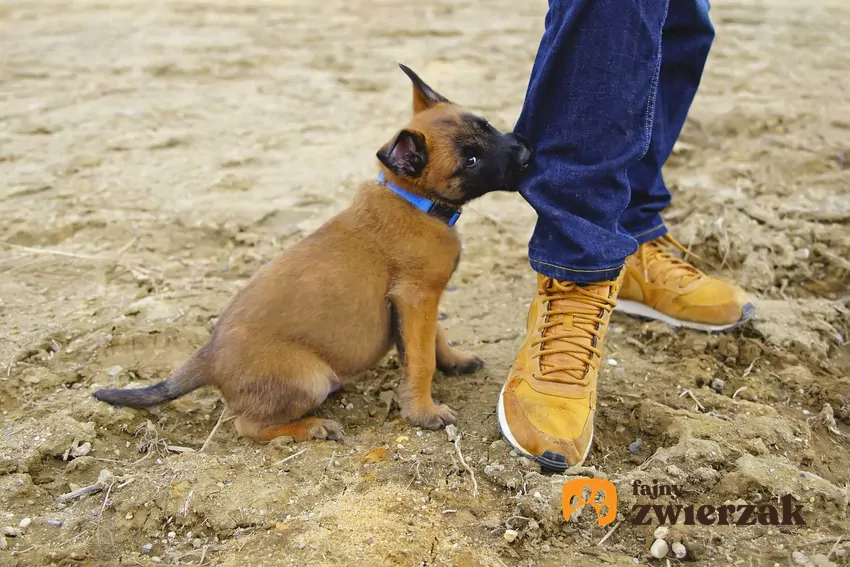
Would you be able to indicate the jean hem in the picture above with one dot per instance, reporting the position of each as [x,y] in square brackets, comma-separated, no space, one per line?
[651,234]
[575,275]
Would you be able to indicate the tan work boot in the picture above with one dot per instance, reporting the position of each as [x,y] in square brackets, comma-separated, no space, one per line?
[659,285]
[548,404]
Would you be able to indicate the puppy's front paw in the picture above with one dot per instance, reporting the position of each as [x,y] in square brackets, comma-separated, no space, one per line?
[460,363]
[432,417]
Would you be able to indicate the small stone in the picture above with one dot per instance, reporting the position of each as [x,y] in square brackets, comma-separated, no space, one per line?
[401,438]
[3,543]
[114,371]
[197,543]
[659,549]
[147,548]
[25,523]
[634,446]
[349,406]
[451,432]
[717,385]
[799,558]
[81,450]
[493,469]
[673,470]
[54,523]
[171,535]
[679,550]
[129,516]
[376,455]
[511,535]
[661,532]
[840,552]
[11,532]
[173,557]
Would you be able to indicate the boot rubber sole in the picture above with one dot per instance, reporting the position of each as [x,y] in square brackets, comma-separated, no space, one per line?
[642,311]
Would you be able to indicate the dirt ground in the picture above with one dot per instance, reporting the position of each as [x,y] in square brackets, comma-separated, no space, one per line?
[154,154]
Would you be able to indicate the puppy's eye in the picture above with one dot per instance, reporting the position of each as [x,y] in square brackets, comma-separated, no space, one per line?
[470,161]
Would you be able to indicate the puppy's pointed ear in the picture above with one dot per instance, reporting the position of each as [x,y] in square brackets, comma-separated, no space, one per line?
[405,155]
[424,97]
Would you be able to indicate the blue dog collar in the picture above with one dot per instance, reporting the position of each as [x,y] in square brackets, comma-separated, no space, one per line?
[445,213]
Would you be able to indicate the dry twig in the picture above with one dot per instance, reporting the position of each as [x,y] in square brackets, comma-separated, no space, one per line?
[214,430]
[693,397]
[610,533]
[280,462]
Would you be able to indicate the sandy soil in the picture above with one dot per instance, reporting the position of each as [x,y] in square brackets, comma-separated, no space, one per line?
[153,155]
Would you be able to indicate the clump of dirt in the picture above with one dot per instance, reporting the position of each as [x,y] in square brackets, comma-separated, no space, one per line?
[165,152]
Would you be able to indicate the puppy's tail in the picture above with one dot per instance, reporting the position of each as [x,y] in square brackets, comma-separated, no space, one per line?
[191,376]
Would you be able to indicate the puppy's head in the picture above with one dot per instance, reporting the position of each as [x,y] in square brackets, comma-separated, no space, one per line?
[451,155]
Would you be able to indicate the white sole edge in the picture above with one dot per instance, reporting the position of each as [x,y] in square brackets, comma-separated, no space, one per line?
[506,431]
[630,307]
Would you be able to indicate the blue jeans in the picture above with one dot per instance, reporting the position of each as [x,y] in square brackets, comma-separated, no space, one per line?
[609,93]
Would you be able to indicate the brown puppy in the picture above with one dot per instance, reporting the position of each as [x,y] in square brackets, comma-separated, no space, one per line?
[334,304]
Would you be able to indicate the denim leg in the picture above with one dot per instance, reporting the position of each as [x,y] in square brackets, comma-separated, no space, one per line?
[685,43]
[588,113]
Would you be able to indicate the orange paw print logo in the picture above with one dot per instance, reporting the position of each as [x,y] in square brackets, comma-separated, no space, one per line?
[600,494]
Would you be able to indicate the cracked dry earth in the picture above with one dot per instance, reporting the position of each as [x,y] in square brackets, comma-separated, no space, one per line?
[154,154]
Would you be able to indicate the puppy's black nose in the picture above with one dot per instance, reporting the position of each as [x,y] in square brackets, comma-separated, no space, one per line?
[522,151]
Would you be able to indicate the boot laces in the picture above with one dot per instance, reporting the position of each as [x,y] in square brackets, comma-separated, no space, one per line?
[658,252]
[576,329]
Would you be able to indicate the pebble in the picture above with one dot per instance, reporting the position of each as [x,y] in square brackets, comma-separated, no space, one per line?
[11,532]
[147,548]
[511,535]
[54,523]
[25,523]
[679,550]
[81,451]
[197,543]
[451,432]
[661,532]
[635,446]
[673,470]
[171,535]
[3,543]
[717,385]
[799,558]
[659,549]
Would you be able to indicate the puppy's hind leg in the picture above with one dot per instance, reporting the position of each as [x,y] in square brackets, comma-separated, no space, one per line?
[301,429]
[275,406]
